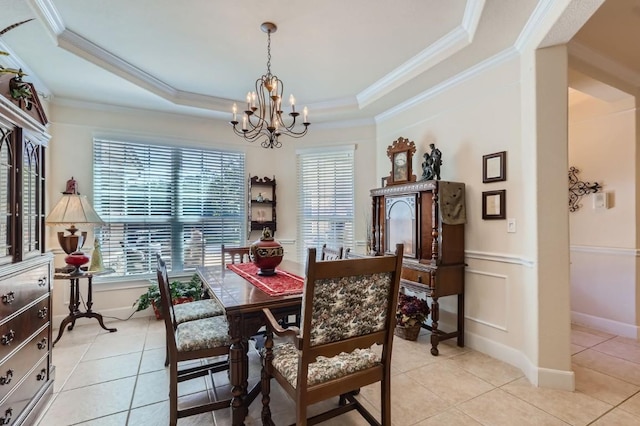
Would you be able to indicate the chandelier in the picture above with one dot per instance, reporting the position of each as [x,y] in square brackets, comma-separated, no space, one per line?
[262,120]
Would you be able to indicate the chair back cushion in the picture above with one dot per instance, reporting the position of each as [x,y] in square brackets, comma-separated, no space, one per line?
[349,306]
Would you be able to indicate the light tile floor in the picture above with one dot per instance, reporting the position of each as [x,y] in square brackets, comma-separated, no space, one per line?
[105,379]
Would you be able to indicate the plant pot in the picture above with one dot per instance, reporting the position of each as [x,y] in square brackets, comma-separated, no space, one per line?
[408,333]
[175,301]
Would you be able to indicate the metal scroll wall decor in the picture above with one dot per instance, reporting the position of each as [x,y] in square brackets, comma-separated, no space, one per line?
[577,189]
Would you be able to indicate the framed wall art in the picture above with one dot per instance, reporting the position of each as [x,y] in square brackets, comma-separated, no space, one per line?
[494,204]
[494,167]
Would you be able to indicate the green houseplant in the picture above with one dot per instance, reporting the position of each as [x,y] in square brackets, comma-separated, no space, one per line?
[410,314]
[181,292]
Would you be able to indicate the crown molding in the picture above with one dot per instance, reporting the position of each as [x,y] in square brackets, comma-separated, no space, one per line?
[446,46]
[535,21]
[49,15]
[435,90]
[604,63]
[443,48]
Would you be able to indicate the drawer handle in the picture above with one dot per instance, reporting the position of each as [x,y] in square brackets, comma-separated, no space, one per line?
[42,375]
[7,417]
[420,279]
[42,313]
[42,281]
[8,298]
[6,379]
[42,344]
[8,338]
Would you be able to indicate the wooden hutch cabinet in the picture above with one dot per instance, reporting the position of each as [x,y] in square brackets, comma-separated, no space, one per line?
[428,218]
[26,376]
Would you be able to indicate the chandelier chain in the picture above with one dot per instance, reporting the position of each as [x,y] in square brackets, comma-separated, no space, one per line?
[269,53]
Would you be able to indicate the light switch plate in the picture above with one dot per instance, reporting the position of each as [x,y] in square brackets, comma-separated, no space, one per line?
[511,225]
[600,200]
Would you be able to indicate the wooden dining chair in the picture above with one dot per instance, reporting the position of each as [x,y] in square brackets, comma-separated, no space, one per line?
[330,253]
[193,340]
[191,311]
[348,306]
[236,254]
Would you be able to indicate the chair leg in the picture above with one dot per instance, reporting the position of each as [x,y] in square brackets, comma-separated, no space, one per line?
[166,355]
[265,382]
[173,394]
[385,401]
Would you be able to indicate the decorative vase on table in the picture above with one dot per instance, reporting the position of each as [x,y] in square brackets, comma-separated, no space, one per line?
[266,253]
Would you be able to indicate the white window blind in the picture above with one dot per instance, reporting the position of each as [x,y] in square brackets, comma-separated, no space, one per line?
[325,199]
[180,202]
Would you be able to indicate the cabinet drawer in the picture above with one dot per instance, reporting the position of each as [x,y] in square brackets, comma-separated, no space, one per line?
[15,368]
[449,280]
[419,277]
[19,290]
[16,331]
[16,402]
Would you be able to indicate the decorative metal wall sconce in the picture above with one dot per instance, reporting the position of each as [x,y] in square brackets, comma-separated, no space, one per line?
[577,189]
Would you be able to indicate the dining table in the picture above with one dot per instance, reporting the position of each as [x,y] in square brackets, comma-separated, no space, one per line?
[243,302]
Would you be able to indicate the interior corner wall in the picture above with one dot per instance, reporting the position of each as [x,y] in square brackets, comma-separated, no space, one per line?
[602,145]
[70,153]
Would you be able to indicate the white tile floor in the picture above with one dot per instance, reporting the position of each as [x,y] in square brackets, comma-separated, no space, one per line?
[105,379]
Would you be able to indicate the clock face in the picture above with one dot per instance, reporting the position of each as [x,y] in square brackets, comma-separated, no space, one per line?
[400,171]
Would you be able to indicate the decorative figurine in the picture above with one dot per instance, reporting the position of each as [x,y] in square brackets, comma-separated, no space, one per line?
[431,164]
[259,198]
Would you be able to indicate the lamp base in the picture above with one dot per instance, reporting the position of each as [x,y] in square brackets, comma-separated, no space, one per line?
[76,260]
[71,243]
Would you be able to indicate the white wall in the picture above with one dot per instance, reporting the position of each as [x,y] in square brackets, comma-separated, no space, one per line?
[603,241]
[74,126]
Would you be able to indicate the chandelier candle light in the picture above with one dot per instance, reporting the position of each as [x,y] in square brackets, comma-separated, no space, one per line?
[263,117]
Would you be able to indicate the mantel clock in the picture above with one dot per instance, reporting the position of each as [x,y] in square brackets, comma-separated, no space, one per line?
[400,153]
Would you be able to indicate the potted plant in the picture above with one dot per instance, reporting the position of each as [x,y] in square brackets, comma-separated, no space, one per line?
[410,314]
[181,292]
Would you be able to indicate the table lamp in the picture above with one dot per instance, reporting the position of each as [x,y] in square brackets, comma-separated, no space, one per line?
[73,209]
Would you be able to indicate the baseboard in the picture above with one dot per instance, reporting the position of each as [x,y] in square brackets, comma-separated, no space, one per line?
[607,325]
[537,376]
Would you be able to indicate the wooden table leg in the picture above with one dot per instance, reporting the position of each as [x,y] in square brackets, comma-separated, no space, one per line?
[238,361]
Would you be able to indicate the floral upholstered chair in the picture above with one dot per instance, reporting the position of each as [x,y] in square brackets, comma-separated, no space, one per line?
[193,340]
[348,307]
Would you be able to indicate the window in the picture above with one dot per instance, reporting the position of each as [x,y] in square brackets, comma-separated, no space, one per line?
[325,198]
[180,202]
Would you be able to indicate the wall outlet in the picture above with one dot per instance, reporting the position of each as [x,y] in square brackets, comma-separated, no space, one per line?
[511,225]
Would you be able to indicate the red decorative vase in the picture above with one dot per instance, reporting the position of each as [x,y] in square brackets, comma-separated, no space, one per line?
[266,253]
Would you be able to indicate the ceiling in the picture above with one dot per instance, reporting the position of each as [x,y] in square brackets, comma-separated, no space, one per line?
[345,60]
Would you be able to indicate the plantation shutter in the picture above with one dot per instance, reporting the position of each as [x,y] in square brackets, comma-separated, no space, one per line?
[180,202]
[326,195]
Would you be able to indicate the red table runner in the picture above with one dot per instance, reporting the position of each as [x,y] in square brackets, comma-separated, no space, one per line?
[281,284]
